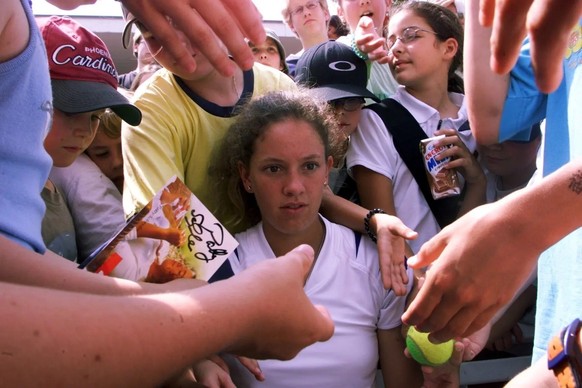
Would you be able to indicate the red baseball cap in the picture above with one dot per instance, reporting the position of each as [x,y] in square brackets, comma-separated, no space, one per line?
[83,75]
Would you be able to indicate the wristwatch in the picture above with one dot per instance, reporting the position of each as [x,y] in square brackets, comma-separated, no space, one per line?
[565,356]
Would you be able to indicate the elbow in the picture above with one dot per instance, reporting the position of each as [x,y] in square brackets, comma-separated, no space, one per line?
[485,125]
[484,138]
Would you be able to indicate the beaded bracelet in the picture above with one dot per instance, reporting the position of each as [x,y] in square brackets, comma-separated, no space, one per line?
[357,51]
[367,222]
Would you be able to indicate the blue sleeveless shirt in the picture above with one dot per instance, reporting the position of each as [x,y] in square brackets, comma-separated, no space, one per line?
[25,118]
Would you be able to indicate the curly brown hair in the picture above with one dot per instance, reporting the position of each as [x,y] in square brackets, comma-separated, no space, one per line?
[238,146]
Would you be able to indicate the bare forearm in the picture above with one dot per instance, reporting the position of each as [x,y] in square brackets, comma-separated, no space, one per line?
[110,341]
[343,212]
[485,90]
[397,370]
[78,339]
[545,213]
[22,266]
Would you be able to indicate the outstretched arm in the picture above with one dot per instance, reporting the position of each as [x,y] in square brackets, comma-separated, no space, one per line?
[483,258]
[205,24]
[486,90]
[108,338]
[25,267]
[390,231]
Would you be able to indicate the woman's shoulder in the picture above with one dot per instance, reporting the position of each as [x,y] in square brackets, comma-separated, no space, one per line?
[252,248]
[357,247]
[250,234]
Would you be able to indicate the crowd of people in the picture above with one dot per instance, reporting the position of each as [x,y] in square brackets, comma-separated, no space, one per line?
[314,158]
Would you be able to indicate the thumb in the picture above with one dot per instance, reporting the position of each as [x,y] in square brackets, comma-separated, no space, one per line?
[305,254]
[428,253]
[327,322]
[420,260]
[405,232]
[365,26]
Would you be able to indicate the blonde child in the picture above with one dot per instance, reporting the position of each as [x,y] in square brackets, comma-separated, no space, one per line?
[105,150]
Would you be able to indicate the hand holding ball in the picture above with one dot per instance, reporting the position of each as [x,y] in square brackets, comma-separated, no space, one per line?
[424,351]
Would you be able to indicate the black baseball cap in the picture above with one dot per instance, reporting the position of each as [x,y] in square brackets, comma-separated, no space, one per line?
[334,72]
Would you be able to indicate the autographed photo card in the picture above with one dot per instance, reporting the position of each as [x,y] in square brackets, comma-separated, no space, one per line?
[174,236]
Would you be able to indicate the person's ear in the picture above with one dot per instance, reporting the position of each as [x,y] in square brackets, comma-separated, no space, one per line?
[451,46]
[245,178]
[329,166]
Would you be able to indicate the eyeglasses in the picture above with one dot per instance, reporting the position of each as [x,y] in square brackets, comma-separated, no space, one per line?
[310,6]
[408,35]
[126,36]
[351,104]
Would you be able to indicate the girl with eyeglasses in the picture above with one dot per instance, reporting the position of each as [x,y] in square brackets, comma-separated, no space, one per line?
[424,42]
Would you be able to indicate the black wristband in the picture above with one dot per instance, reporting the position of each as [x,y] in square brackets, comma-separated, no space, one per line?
[367,222]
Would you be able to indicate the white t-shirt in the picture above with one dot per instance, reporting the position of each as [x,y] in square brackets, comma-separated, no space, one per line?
[348,284]
[94,202]
[371,146]
[97,211]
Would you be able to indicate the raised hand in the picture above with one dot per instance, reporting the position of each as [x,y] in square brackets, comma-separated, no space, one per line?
[205,24]
[392,235]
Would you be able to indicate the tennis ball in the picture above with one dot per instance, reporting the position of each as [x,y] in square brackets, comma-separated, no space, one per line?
[424,351]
